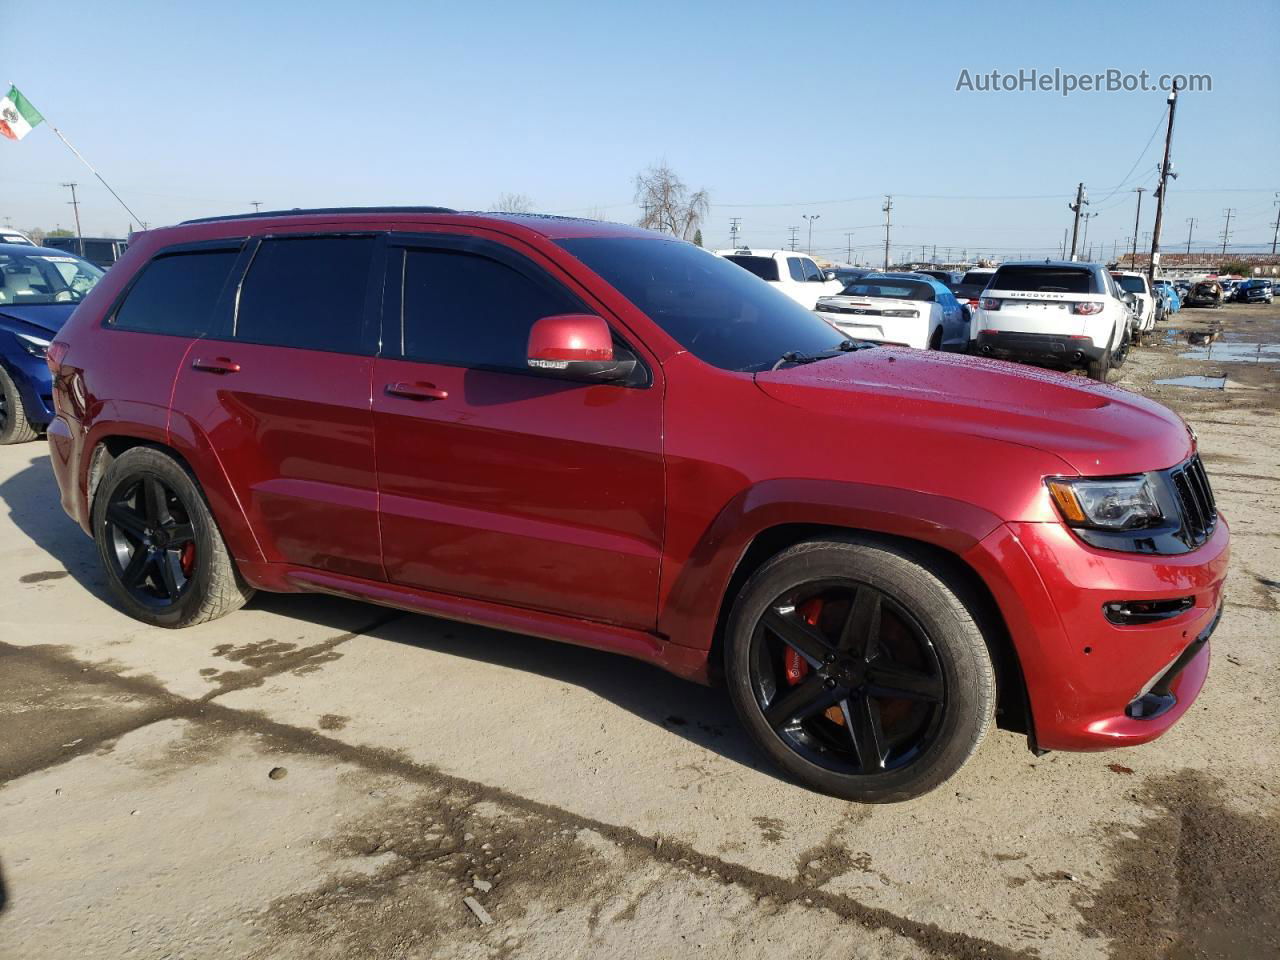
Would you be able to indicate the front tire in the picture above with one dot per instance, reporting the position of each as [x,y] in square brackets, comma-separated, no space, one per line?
[859,670]
[14,426]
[164,557]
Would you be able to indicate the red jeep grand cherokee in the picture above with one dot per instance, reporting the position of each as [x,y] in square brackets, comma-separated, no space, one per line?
[592,433]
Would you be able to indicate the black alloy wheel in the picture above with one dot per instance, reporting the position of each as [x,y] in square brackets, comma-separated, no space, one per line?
[847,677]
[858,666]
[152,541]
[164,556]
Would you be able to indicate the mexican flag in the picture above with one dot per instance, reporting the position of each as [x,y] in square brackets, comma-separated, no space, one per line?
[17,115]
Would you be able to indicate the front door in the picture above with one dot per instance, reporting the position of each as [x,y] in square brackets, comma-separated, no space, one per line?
[495,483]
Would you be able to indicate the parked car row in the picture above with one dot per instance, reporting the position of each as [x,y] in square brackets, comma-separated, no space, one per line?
[593,433]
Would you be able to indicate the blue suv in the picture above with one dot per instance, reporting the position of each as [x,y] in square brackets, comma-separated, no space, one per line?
[39,288]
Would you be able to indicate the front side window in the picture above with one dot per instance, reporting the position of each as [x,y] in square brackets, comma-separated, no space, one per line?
[811,271]
[306,292]
[176,294]
[717,311]
[466,309]
[44,278]
[795,269]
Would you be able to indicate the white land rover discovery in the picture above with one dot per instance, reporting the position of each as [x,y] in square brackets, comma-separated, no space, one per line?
[1056,314]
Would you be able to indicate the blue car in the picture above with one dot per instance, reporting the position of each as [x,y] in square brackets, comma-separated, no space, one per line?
[1254,291]
[39,288]
[1169,293]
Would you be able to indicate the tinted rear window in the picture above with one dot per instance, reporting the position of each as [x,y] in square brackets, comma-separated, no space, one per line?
[976,279]
[306,292]
[1131,284]
[766,268]
[176,294]
[1034,279]
[895,289]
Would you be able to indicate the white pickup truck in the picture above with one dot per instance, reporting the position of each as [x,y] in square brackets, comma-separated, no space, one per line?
[793,273]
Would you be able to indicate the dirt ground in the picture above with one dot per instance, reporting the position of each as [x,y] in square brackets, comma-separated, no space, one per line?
[311,778]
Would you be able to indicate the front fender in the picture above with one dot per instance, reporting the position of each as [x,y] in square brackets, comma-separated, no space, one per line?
[694,586]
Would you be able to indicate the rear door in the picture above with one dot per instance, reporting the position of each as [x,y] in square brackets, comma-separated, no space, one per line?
[495,483]
[280,393]
[176,298]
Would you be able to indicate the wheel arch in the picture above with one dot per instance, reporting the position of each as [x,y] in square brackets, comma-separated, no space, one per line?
[212,483]
[1012,702]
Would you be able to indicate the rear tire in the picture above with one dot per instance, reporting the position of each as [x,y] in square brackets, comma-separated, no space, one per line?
[1100,369]
[901,689]
[14,425]
[935,342]
[164,557]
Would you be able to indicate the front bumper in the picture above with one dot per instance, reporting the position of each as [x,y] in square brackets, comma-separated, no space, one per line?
[35,385]
[1047,348]
[1092,684]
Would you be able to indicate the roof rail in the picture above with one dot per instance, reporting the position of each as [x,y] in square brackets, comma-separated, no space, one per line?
[309,211]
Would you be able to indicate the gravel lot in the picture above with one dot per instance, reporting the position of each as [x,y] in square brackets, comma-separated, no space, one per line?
[313,778]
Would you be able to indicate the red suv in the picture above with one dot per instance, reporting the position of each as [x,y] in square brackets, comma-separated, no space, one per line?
[593,433]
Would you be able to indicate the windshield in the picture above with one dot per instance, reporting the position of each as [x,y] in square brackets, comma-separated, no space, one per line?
[766,268]
[721,313]
[1131,284]
[895,289]
[40,278]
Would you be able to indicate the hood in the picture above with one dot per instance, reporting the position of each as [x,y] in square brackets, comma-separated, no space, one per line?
[45,318]
[1098,430]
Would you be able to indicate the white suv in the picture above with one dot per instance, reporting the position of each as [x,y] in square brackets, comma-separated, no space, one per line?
[1055,313]
[793,273]
[1140,287]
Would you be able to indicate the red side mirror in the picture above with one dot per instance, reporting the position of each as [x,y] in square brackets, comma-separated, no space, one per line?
[576,346]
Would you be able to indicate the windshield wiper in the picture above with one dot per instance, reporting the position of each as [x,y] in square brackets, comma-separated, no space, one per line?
[844,346]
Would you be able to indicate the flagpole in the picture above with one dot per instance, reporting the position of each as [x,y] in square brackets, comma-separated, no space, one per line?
[81,158]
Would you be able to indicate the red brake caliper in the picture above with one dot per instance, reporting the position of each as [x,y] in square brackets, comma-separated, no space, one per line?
[188,559]
[796,667]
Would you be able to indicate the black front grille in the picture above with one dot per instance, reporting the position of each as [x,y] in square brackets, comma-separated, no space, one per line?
[1199,513]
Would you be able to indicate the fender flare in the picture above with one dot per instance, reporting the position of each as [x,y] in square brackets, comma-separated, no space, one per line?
[690,613]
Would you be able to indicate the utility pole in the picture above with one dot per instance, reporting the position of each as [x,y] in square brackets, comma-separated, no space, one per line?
[256,204]
[1165,174]
[1226,231]
[75,206]
[888,210]
[1137,217]
[1063,252]
[1085,236]
[849,254]
[1276,230]
[734,223]
[795,234]
[1081,202]
[811,217]
[1191,225]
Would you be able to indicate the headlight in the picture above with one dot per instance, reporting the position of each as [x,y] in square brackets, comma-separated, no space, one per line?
[1121,504]
[33,345]
[900,313]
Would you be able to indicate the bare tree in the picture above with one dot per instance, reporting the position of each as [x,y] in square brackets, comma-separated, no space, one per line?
[513,203]
[666,203]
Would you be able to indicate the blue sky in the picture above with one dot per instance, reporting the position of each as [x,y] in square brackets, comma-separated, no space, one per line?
[777,109]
